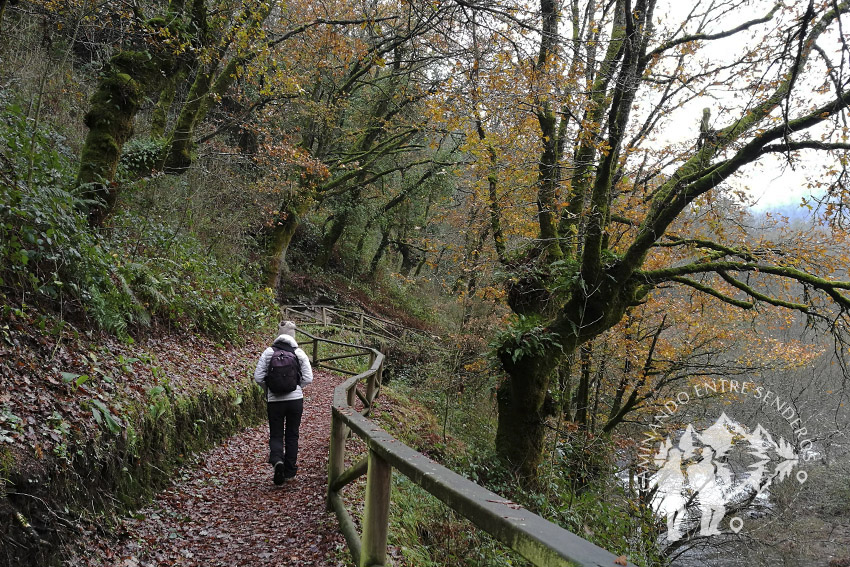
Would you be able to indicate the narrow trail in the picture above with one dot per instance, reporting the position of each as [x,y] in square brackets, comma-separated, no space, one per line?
[225,510]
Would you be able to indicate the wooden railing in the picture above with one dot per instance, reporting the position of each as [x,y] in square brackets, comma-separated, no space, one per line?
[358,321]
[537,539]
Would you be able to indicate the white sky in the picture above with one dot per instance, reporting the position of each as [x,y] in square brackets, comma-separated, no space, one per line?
[772,183]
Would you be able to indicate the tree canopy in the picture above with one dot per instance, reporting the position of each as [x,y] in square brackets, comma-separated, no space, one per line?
[566,190]
[600,198]
[592,154]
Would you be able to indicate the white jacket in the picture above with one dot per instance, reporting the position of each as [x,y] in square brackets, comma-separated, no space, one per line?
[263,369]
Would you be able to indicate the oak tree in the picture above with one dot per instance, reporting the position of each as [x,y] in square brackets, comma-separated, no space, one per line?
[612,174]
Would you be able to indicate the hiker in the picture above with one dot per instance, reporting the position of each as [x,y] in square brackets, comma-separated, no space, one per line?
[283,369]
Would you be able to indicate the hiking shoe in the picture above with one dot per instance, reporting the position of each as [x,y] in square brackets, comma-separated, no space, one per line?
[278,473]
[289,479]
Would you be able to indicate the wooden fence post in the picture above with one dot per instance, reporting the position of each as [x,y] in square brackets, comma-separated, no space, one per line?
[372,384]
[324,315]
[376,513]
[315,351]
[351,396]
[336,457]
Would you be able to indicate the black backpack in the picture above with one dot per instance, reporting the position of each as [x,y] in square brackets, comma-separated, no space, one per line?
[284,374]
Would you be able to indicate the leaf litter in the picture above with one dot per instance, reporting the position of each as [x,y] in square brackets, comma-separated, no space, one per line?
[225,510]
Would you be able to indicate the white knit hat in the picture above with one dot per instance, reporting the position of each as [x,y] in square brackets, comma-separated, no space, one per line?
[287,328]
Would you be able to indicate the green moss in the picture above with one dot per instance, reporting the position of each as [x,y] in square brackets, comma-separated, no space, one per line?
[7,465]
[127,79]
[180,156]
[159,116]
[111,474]
[110,121]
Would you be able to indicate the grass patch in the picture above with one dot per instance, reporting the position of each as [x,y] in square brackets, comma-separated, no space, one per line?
[424,532]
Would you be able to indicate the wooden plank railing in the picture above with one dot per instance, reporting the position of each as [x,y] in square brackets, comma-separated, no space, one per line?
[537,539]
[358,321]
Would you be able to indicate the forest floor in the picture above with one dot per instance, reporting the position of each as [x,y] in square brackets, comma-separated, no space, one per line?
[225,510]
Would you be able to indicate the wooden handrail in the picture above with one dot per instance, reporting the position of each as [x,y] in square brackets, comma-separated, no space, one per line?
[378,325]
[537,539]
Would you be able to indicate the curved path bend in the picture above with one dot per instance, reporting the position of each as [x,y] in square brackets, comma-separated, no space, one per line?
[224,510]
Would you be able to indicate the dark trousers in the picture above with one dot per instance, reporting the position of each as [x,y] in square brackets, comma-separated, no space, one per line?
[284,422]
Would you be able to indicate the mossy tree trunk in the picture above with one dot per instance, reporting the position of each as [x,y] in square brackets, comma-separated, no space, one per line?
[411,256]
[128,78]
[159,116]
[340,221]
[278,237]
[212,82]
[522,413]
[179,156]
[379,253]
[530,362]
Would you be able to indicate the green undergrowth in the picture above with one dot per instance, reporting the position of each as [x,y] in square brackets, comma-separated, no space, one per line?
[457,431]
[423,530]
[428,533]
[88,428]
[81,440]
[140,271]
[92,481]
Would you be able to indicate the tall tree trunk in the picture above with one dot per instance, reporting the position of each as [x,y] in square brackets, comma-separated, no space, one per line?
[548,173]
[523,411]
[159,116]
[361,242]
[334,233]
[379,253]
[330,239]
[582,399]
[179,156]
[522,394]
[279,237]
[128,77]
[410,258]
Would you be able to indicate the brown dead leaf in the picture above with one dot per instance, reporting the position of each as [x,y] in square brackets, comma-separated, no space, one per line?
[621,560]
[225,505]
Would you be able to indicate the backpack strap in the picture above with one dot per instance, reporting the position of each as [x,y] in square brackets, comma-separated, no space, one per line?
[284,346]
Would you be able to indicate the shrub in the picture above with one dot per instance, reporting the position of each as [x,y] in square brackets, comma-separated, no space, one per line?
[127,278]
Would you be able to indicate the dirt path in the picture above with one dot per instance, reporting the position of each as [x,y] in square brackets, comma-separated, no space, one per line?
[225,510]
